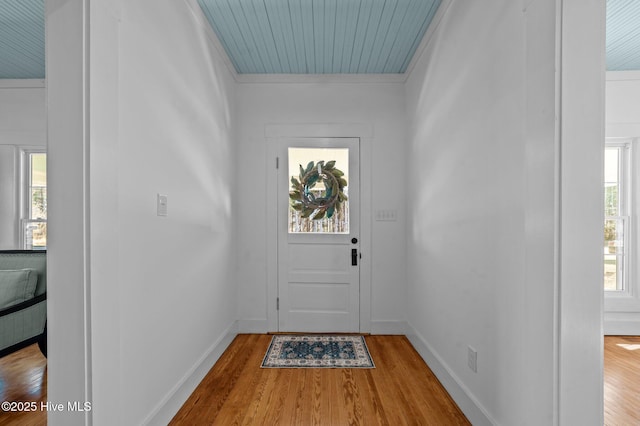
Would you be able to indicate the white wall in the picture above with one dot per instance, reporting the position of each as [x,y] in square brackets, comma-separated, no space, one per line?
[466,222]
[22,124]
[581,225]
[482,233]
[162,301]
[379,107]
[68,254]
[175,274]
[9,177]
[622,104]
[622,312]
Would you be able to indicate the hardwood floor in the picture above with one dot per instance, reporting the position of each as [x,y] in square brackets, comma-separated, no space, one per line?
[401,390]
[621,380]
[23,378]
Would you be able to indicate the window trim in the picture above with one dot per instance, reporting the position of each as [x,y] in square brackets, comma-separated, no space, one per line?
[625,205]
[24,193]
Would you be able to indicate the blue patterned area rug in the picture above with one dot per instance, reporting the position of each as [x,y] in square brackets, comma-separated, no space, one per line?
[317,351]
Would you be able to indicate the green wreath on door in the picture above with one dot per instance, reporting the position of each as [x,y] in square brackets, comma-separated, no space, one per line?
[325,204]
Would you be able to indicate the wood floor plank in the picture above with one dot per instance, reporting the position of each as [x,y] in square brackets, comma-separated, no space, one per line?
[310,409]
[621,380]
[374,410]
[23,378]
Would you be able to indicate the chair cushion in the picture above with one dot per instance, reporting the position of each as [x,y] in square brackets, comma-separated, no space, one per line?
[17,286]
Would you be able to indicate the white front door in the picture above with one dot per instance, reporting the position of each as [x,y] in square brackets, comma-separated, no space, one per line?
[318,235]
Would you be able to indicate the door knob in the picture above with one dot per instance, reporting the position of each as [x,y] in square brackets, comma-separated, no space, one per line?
[354,257]
[354,241]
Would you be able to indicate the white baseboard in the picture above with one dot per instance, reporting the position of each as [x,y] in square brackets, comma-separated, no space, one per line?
[253,326]
[388,327]
[173,401]
[471,408]
[261,326]
[622,324]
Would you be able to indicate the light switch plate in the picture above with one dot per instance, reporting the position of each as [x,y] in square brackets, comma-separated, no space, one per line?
[472,359]
[162,205]
[388,215]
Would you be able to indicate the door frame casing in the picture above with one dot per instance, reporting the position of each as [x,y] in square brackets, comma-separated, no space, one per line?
[274,135]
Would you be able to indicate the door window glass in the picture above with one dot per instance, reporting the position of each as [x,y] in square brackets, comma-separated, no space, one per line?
[318,190]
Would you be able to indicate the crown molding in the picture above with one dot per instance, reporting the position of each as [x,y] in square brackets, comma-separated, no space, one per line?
[26,83]
[622,75]
[320,78]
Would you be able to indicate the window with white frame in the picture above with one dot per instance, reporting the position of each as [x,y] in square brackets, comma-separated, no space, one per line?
[617,213]
[34,200]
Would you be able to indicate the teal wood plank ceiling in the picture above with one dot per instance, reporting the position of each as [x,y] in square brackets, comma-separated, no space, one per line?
[320,36]
[623,35]
[304,36]
[22,39]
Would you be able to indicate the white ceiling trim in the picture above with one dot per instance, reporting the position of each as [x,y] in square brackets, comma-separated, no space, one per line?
[622,75]
[26,83]
[320,78]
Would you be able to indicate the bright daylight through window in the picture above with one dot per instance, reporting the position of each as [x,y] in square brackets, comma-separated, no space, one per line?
[34,206]
[617,206]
